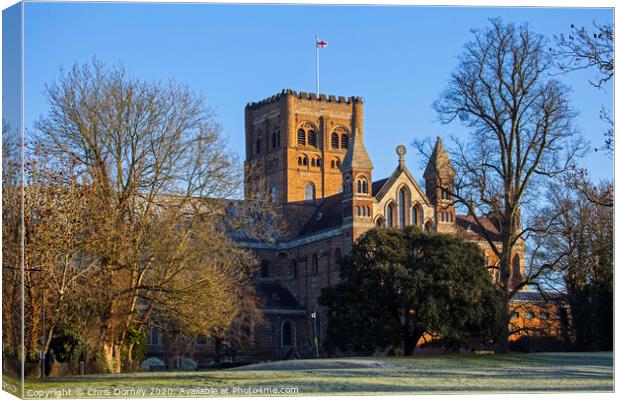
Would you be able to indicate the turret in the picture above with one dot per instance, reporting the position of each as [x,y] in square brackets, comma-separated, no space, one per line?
[439,178]
[357,194]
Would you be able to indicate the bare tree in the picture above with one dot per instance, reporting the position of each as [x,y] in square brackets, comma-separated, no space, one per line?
[521,135]
[157,166]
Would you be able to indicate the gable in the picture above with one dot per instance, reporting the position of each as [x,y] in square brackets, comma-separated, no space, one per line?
[400,173]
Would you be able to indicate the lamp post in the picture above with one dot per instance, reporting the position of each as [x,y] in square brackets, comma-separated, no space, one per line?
[316,340]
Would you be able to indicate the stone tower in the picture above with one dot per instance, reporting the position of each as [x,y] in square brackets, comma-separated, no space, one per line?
[357,200]
[296,143]
[439,178]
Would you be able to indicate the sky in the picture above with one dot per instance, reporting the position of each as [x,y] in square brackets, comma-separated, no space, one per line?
[398,59]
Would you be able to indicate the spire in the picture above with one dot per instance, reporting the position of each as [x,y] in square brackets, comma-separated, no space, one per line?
[357,157]
[439,164]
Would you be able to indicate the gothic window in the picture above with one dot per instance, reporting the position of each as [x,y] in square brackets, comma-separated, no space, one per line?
[288,338]
[294,269]
[312,138]
[428,226]
[257,148]
[305,161]
[309,191]
[274,193]
[264,269]
[274,140]
[403,206]
[301,137]
[380,222]
[315,264]
[344,141]
[318,162]
[390,215]
[313,163]
[364,186]
[335,140]
[337,163]
[416,215]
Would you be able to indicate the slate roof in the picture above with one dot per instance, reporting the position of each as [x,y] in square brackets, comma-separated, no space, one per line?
[378,185]
[472,231]
[537,296]
[327,216]
[274,295]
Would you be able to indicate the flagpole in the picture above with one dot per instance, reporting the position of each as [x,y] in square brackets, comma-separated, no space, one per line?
[316,46]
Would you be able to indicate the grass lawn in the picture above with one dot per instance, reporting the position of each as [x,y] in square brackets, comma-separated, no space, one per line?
[540,372]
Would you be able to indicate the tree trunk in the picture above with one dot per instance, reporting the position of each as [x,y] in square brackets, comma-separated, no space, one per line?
[501,346]
[112,357]
[411,341]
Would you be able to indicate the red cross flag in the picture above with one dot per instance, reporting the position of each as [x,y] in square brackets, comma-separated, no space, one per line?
[321,43]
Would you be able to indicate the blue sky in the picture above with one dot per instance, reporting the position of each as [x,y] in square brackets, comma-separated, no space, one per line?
[398,58]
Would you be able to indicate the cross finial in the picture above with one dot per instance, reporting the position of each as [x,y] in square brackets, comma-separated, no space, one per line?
[401,151]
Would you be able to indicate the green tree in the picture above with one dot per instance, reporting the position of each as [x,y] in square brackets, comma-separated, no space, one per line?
[400,284]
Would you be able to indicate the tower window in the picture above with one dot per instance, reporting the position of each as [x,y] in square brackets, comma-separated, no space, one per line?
[313,163]
[344,141]
[312,138]
[258,145]
[335,140]
[301,137]
[309,191]
[300,161]
[333,164]
[362,186]
[359,186]
[337,163]
[318,162]
[347,184]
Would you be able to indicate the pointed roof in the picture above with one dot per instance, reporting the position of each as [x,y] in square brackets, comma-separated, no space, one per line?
[439,163]
[357,157]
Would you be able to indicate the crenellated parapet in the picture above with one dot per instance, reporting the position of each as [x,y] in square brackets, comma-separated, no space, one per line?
[305,96]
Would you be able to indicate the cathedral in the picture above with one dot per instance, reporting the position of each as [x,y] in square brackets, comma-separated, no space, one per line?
[307,153]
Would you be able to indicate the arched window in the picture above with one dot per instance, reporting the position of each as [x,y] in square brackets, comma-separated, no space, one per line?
[333,164]
[415,218]
[313,163]
[368,212]
[294,269]
[312,138]
[390,215]
[403,207]
[315,264]
[301,136]
[274,140]
[347,184]
[359,186]
[274,193]
[344,141]
[264,269]
[380,222]
[335,140]
[300,161]
[309,191]
[318,162]
[337,163]
[428,226]
[364,186]
[357,211]
[305,161]
[288,334]
[258,145]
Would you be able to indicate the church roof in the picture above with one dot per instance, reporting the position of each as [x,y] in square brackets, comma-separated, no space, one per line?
[327,216]
[439,162]
[357,157]
[274,295]
[472,231]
